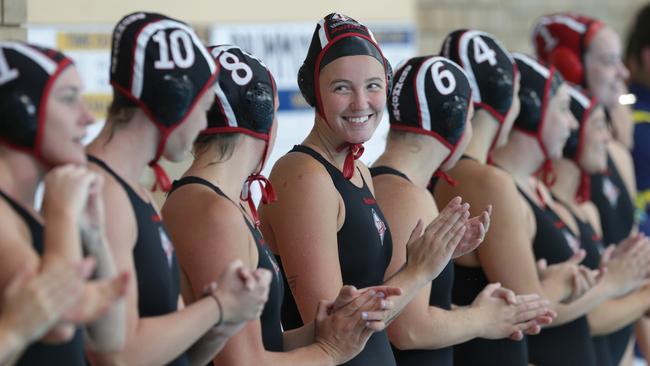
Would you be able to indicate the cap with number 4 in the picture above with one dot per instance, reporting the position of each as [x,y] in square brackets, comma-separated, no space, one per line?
[160,64]
[27,73]
[490,69]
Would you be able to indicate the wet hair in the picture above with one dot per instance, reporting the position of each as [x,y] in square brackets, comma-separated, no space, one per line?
[638,35]
[225,145]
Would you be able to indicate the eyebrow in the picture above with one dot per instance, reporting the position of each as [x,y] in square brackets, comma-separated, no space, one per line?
[372,79]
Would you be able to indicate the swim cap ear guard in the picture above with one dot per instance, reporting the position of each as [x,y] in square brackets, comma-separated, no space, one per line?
[562,40]
[490,69]
[538,85]
[582,105]
[432,97]
[160,64]
[337,36]
[245,98]
[25,86]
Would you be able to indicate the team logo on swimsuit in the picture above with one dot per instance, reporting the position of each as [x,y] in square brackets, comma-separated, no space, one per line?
[167,246]
[573,242]
[380,225]
[610,191]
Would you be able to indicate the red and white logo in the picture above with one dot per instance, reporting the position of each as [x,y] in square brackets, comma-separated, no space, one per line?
[610,191]
[340,17]
[380,225]
[167,246]
[573,242]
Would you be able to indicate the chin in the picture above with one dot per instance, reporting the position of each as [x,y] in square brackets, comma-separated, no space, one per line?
[74,159]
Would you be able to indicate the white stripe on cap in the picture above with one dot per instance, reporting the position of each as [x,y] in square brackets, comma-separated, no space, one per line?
[533,64]
[141,43]
[579,97]
[227,108]
[43,61]
[566,20]
[421,91]
[321,34]
[464,57]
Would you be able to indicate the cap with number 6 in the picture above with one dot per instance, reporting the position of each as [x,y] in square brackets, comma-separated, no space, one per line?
[27,73]
[431,95]
[245,102]
[160,64]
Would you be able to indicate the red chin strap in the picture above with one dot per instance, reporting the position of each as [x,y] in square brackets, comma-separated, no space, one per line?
[583,194]
[354,153]
[547,174]
[162,179]
[268,193]
[442,175]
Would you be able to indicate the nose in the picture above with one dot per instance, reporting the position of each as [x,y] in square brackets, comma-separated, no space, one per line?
[360,100]
[86,117]
[622,70]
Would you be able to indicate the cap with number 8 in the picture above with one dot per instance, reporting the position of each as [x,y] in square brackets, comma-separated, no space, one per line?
[160,64]
[245,102]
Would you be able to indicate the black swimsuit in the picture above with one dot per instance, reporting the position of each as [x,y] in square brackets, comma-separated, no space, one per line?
[468,283]
[593,246]
[616,209]
[270,318]
[69,353]
[440,297]
[365,249]
[155,263]
[569,344]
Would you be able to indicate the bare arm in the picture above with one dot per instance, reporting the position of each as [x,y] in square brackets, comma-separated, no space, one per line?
[615,314]
[421,326]
[151,340]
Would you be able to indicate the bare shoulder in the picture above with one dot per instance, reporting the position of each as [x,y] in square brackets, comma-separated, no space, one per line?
[296,178]
[201,221]
[485,184]
[198,206]
[403,198]
[15,244]
[296,166]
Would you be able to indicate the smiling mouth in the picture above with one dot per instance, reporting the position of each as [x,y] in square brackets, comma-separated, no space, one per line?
[358,119]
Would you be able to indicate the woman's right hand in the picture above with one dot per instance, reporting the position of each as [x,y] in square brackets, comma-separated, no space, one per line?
[342,334]
[574,278]
[241,294]
[66,191]
[429,253]
[627,265]
[504,318]
[35,302]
